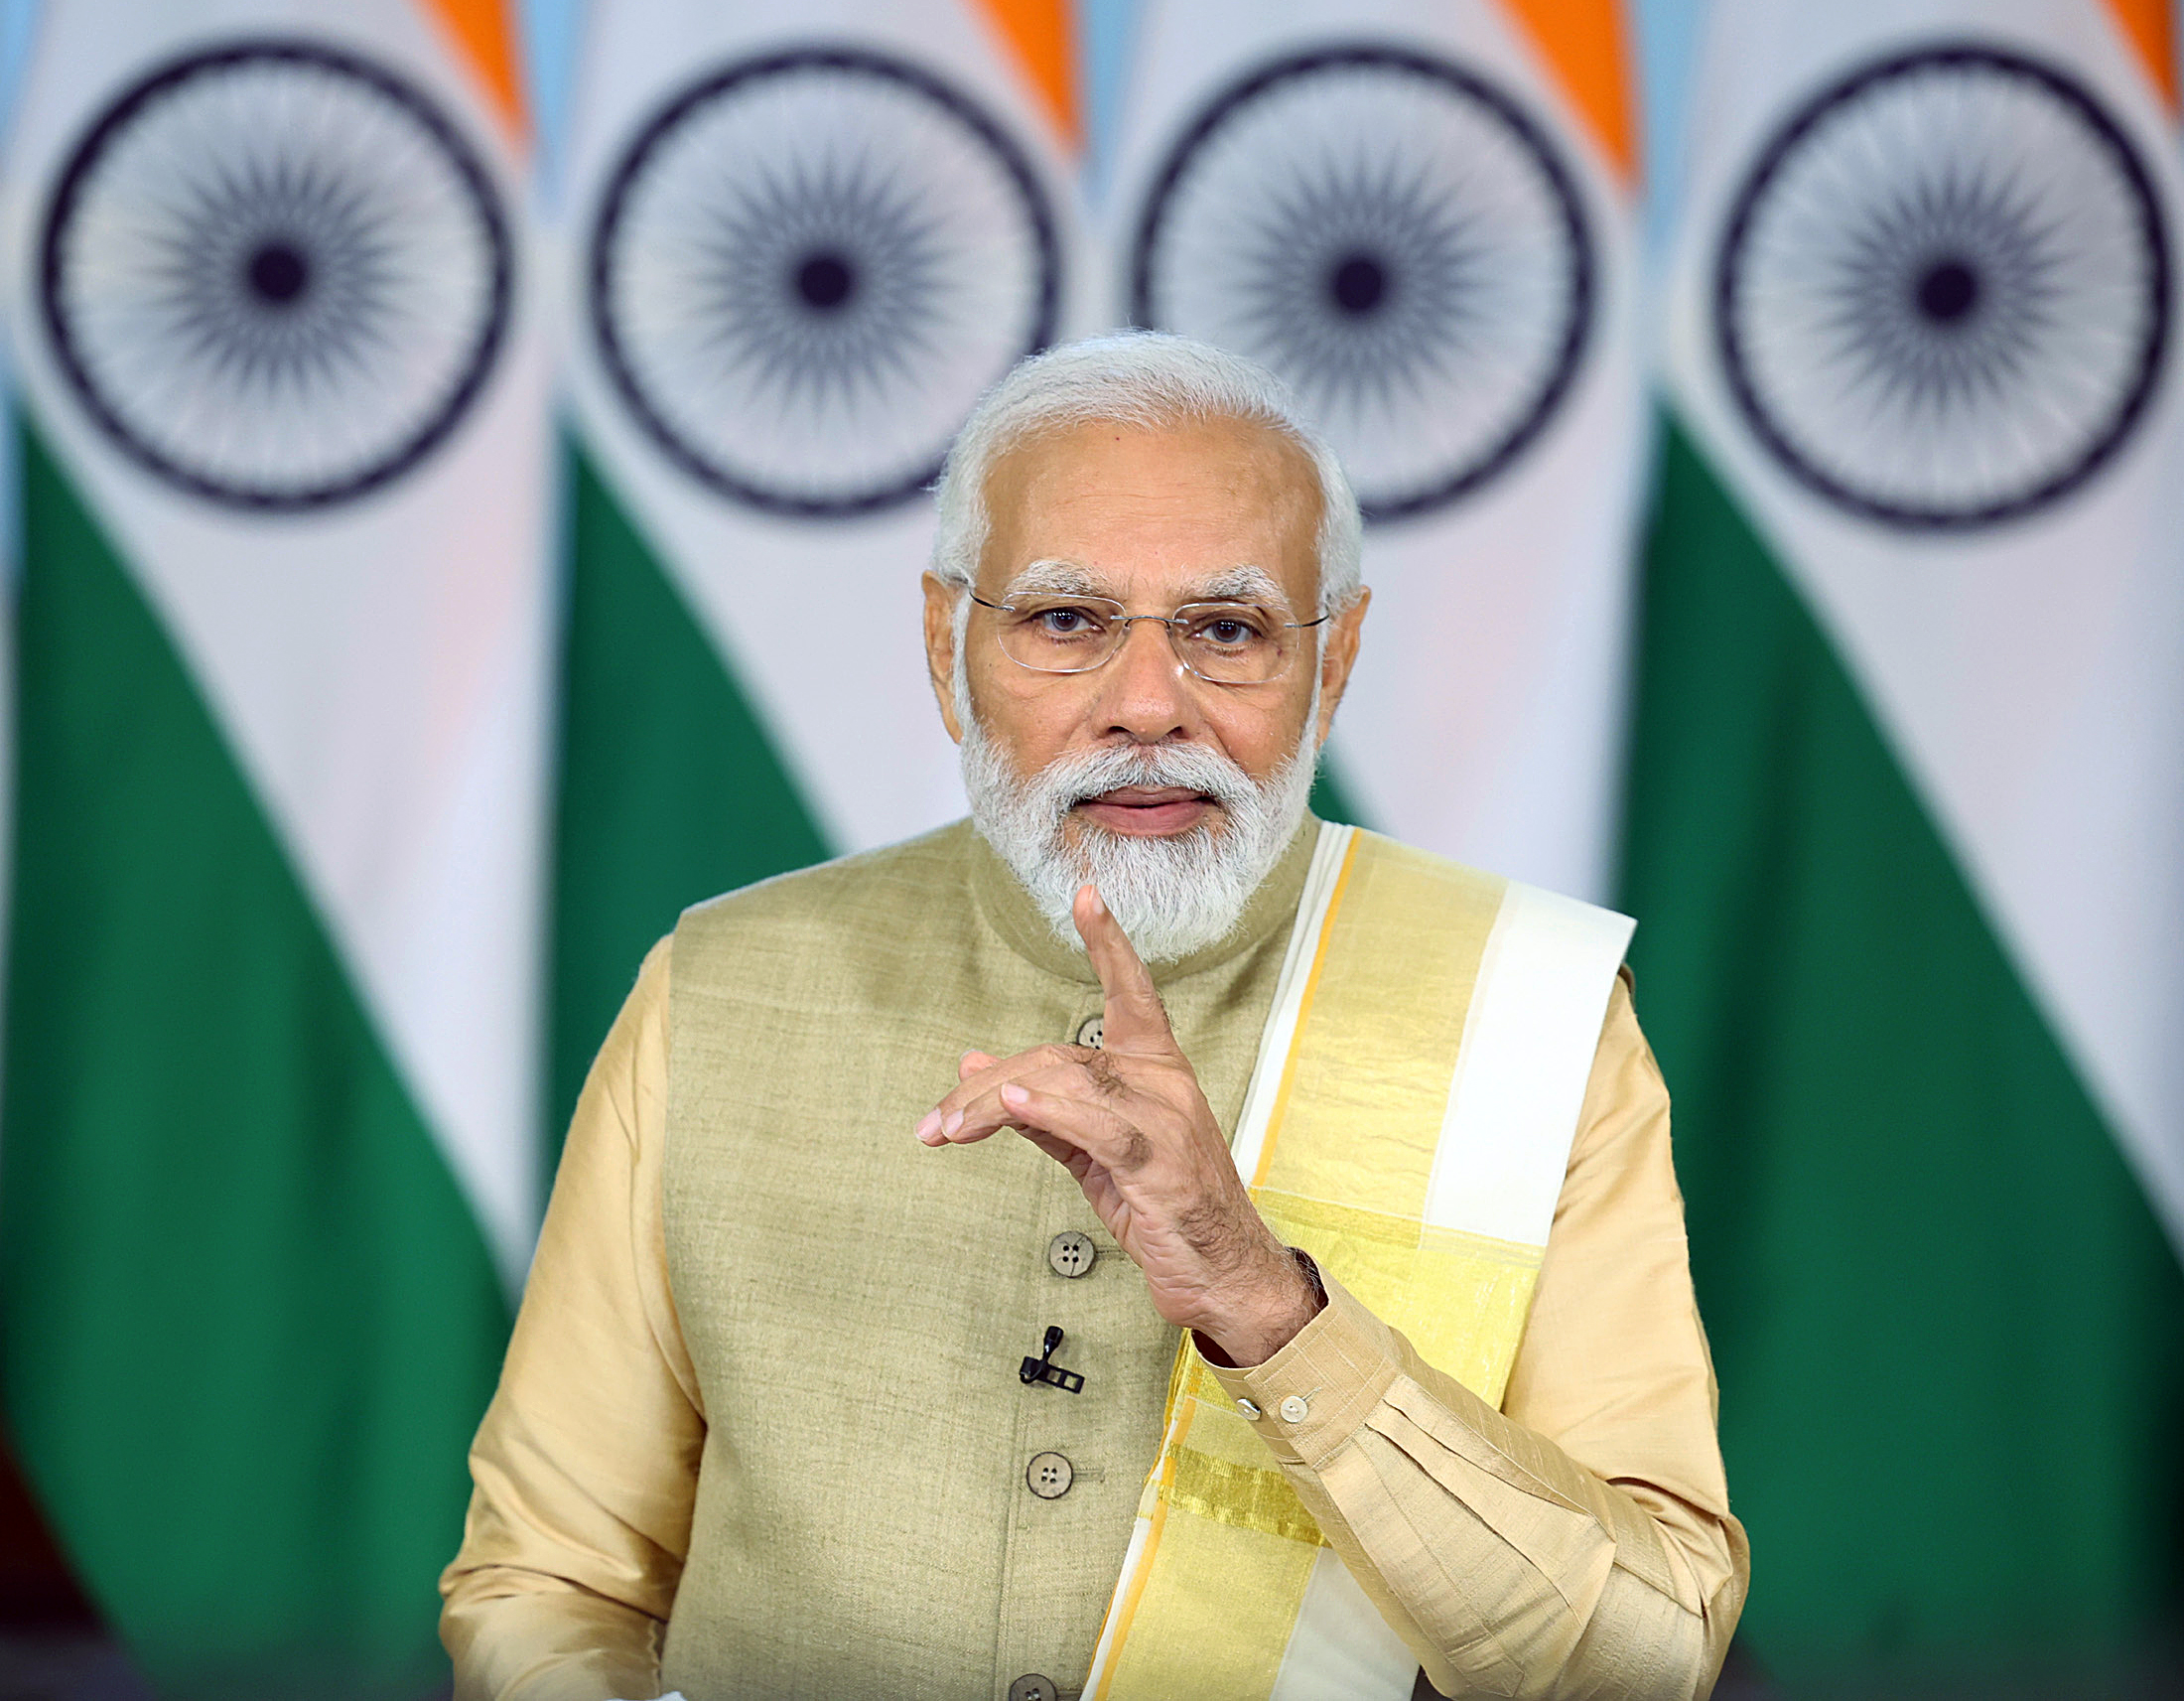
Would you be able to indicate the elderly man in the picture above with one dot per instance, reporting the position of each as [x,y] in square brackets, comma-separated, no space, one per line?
[1320,1326]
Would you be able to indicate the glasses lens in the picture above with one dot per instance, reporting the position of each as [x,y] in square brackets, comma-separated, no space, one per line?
[1061,634]
[1234,643]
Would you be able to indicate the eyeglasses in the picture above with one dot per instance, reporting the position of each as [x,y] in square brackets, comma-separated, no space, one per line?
[1223,643]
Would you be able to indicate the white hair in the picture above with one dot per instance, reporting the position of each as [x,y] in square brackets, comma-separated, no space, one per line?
[1144,378]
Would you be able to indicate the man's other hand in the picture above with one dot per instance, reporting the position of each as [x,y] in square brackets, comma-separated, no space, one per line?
[1129,1122]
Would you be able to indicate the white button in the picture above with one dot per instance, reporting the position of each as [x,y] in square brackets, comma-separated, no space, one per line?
[1294,1409]
[1090,1030]
[1250,1408]
[1049,1475]
[1071,1253]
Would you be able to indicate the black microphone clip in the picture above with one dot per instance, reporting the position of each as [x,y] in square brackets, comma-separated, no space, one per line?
[1043,1369]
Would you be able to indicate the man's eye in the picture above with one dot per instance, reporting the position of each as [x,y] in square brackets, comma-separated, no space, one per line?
[1065,623]
[1238,630]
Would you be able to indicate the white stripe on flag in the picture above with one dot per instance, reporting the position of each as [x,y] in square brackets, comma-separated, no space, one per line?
[815,619]
[379,665]
[1484,721]
[2028,673]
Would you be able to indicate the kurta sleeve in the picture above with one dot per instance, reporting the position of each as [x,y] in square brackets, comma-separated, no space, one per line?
[1577,1542]
[587,1461]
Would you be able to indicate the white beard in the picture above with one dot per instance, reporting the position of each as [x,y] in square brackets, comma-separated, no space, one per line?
[1172,896]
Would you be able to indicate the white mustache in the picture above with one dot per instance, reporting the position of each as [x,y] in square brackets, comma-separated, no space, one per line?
[1069,779]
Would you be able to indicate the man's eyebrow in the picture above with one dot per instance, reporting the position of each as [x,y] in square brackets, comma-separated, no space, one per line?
[1052,579]
[1244,584]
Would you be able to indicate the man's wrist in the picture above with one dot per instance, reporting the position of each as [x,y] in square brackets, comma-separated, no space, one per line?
[1294,1295]
[1308,1267]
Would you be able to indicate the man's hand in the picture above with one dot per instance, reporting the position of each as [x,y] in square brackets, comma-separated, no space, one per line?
[1129,1123]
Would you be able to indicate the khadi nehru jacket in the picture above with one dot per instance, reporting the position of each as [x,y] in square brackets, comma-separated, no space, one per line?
[762,1431]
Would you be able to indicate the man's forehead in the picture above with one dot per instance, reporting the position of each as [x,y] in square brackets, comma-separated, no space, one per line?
[1212,436]
[1220,471]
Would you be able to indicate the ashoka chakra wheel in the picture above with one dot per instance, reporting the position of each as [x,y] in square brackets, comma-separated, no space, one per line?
[1941,298]
[1400,241]
[275,274]
[806,268]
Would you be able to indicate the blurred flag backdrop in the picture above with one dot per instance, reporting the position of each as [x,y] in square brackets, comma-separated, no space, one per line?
[1907,832]
[1421,215]
[797,248]
[271,1100]
[358,526]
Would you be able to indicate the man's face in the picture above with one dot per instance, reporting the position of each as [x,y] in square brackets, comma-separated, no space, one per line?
[1151,519]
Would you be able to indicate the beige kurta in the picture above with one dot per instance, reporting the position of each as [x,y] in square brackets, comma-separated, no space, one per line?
[764,1383]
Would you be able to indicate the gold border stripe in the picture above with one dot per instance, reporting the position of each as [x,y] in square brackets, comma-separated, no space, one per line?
[1304,1015]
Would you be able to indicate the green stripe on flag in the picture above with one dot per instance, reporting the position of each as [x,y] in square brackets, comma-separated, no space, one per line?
[249,1322]
[1949,1332]
[670,789]
[1330,800]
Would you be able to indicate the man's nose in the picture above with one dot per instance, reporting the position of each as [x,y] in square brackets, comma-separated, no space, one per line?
[1145,689]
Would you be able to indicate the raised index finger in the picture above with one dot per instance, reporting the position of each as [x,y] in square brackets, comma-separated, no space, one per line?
[1134,1019]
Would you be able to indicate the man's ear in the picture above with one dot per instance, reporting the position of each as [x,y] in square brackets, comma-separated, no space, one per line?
[940,644]
[1336,660]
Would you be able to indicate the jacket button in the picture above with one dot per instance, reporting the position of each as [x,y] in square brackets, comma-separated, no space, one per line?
[1088,1035]
[1295,1410]
[1033,1687]
[1249,1407]
[1049,1475]
[1071,1253]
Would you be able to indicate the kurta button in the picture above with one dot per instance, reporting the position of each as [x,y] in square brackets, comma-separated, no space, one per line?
[1250,1408]
[1033,1687]
[1294,1409]
[1088,1034]
[1071,1253]
[1049,1475]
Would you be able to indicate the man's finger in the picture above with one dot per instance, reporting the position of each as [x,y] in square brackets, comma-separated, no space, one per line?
[1060,1100]
[984,1108]
[1092,1128]
[980,1073]
[1071,1158]
[1134,1020]
[966,1114]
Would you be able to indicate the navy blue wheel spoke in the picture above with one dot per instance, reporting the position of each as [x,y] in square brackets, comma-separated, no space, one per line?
[1942,293]
[293,244]
[1396,237]
[852,250]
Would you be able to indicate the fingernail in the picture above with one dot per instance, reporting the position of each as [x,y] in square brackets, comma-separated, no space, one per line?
[929,1127]
[951,1122]
[1015,1097]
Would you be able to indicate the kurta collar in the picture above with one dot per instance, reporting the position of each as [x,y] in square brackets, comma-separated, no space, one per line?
[1008,909]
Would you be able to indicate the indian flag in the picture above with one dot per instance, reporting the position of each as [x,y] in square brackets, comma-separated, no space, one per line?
[1420,212]
[270,1161]
[799,245]
[1907,825]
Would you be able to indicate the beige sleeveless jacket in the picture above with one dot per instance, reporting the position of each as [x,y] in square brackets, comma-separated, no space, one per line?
[812,1021]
